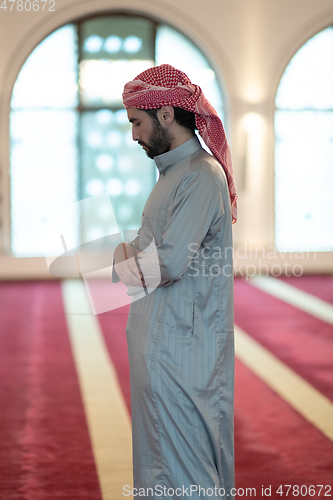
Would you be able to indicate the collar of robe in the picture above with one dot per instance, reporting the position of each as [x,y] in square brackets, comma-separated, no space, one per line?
[166,160]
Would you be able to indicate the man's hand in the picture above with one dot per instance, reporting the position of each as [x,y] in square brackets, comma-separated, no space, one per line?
[125,265]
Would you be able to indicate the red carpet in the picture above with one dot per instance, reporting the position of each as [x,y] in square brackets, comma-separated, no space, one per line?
[274,445]
[319,286]
[113,327]
[302,342]
[45,449]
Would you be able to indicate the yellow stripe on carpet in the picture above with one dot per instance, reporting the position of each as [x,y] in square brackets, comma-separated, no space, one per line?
[288,293]
[304,398]
[107,416]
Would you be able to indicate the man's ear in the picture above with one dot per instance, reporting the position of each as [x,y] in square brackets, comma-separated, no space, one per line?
[166,115]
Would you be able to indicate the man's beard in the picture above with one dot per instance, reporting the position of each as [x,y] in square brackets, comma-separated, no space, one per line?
[159,142]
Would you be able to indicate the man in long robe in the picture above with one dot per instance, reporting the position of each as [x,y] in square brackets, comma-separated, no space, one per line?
[181,335]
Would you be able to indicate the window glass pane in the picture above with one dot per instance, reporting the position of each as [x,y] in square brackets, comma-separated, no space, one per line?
[48,78]
[113,163]
[102,82]
[113,50]
[43,173]
[304,180]
[117,37]
[308,79]
[175,49]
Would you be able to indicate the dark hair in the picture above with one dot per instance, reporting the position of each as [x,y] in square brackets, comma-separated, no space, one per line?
[184,118]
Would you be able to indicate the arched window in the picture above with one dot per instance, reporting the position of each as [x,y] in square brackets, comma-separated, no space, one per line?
[70,137]
[304,149]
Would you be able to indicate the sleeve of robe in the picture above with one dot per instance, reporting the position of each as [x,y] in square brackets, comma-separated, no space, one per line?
[196,207]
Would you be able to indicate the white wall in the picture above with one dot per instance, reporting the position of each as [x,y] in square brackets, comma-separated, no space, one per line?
[249,42]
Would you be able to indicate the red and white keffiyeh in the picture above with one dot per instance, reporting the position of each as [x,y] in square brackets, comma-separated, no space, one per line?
[167,86]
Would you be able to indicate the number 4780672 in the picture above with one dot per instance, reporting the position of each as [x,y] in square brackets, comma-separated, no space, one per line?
[27,5]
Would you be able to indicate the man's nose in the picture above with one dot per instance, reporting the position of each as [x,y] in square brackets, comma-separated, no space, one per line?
[135,134]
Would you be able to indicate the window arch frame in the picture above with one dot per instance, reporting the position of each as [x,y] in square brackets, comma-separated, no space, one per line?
[78,20]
